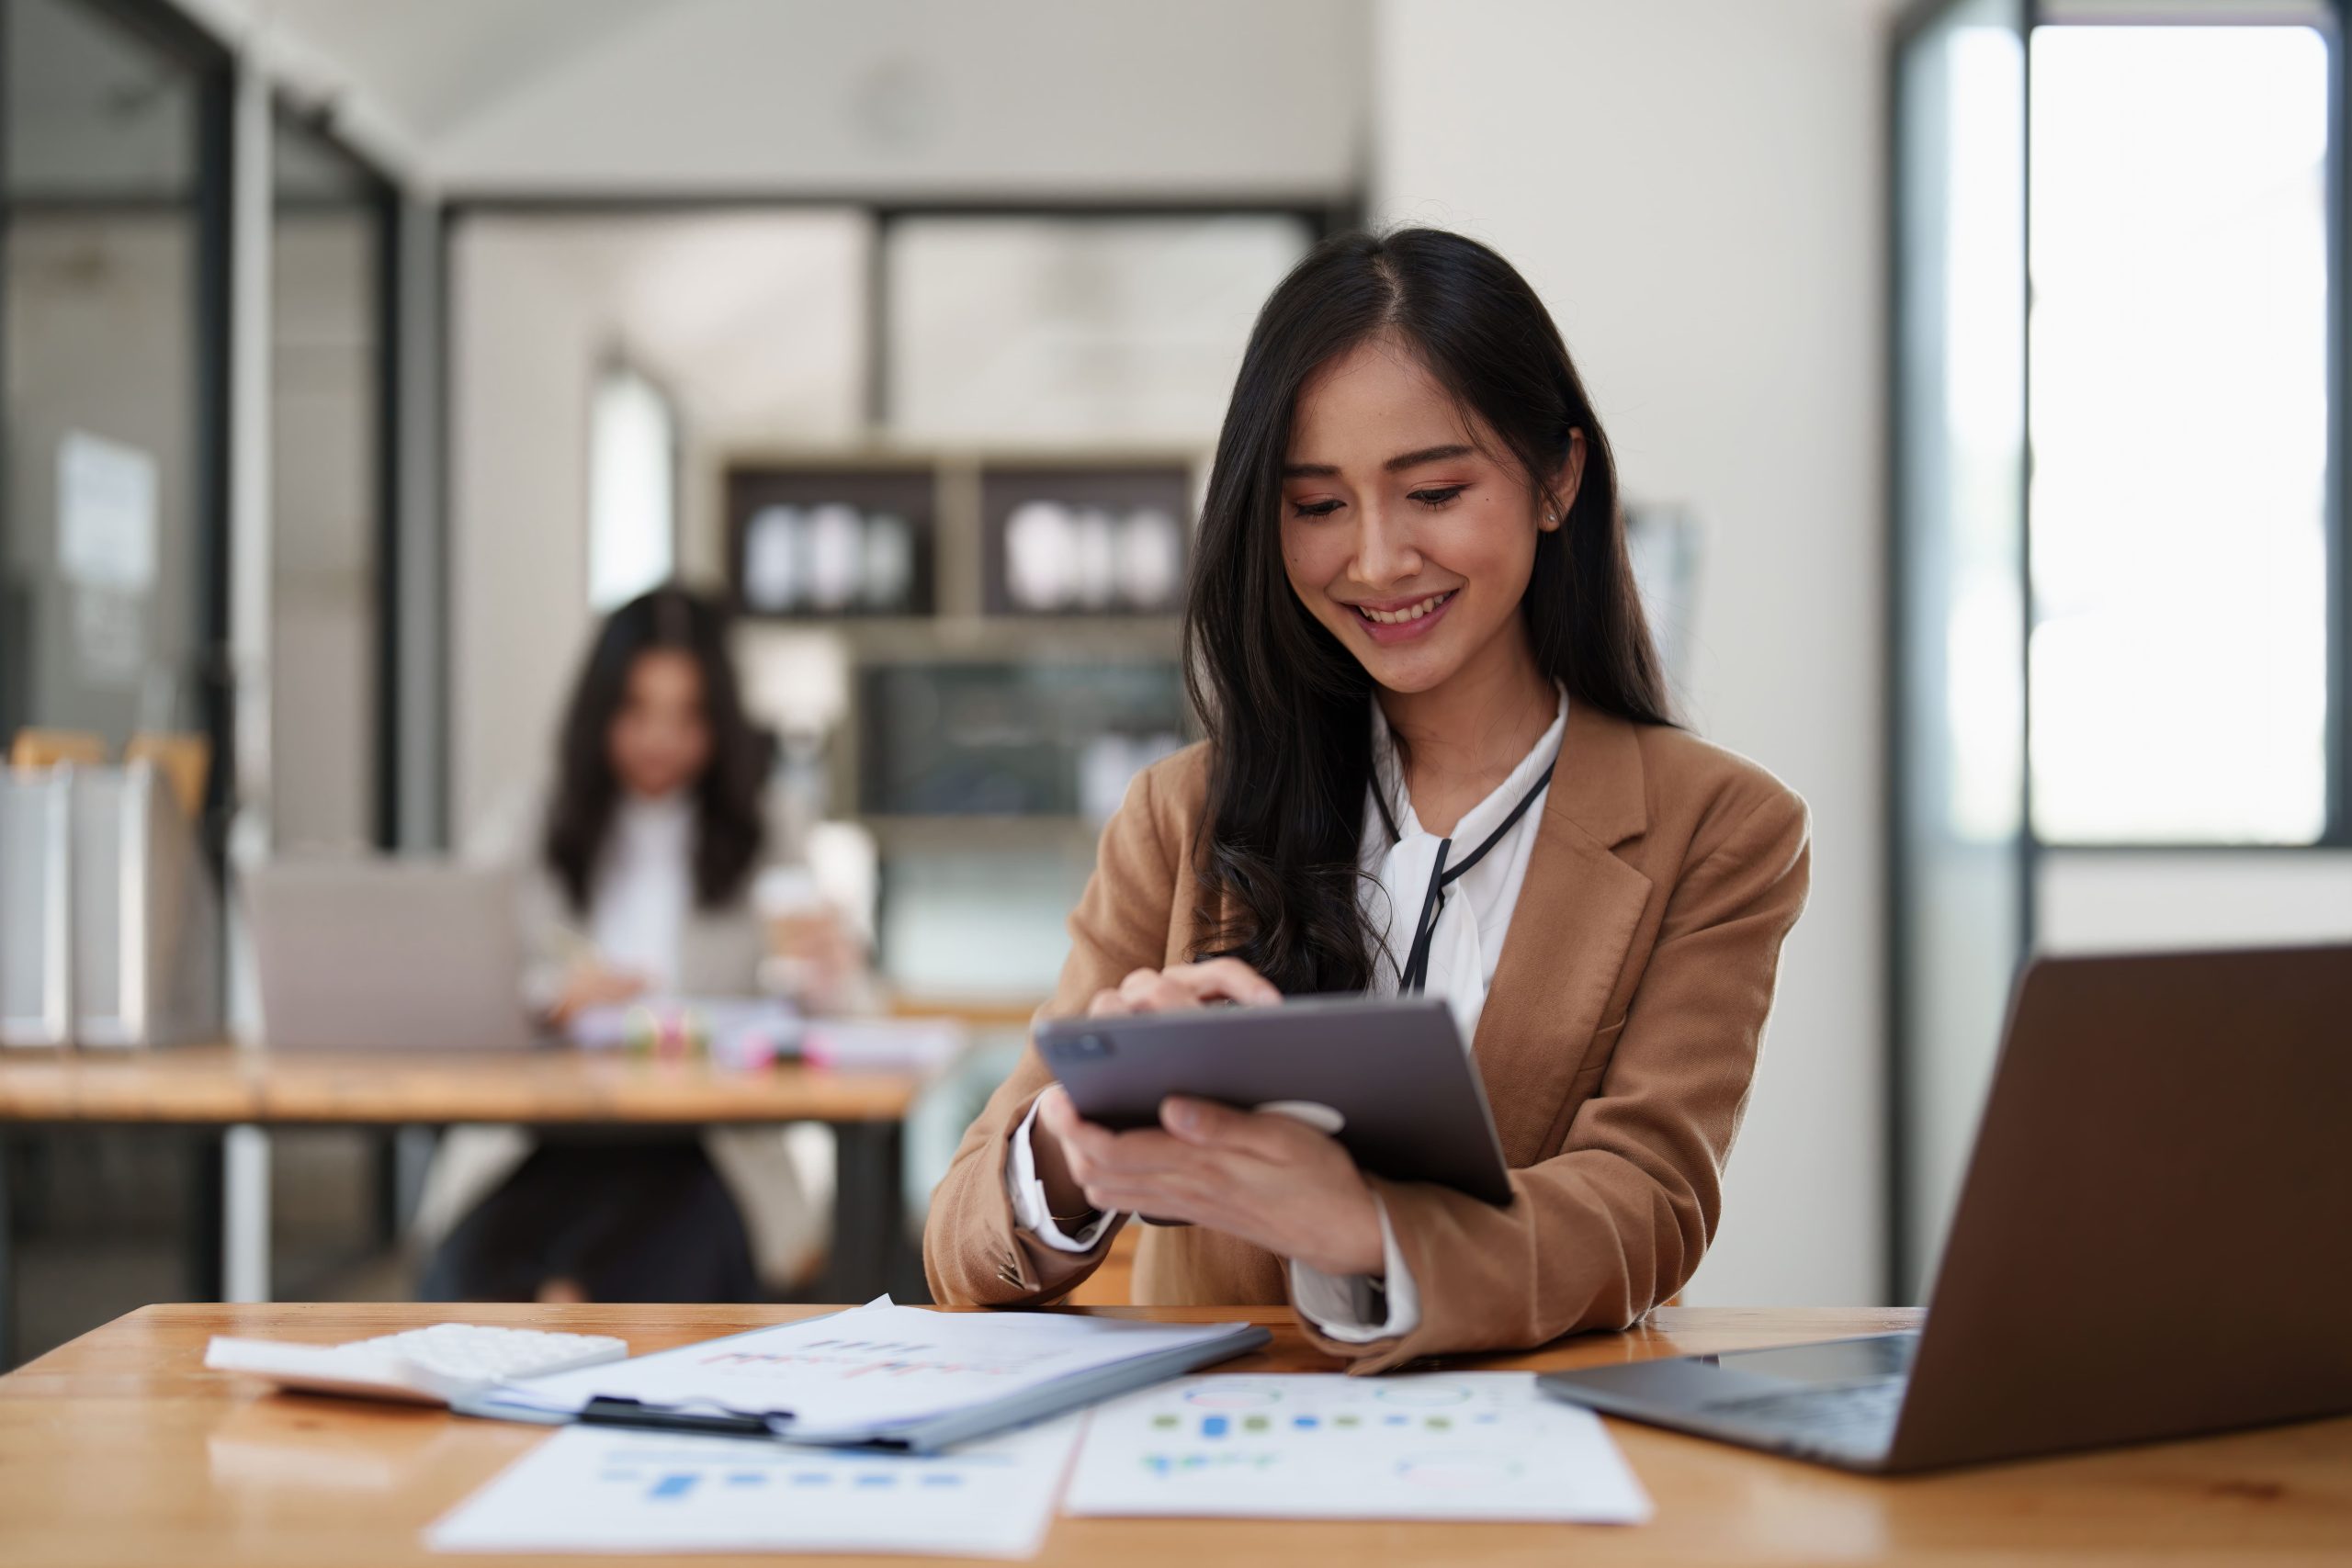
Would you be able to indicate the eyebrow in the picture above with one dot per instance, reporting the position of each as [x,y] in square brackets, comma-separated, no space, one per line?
[1398,464]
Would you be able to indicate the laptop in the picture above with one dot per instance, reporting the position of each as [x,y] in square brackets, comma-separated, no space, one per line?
[2154,1240]
[372,955]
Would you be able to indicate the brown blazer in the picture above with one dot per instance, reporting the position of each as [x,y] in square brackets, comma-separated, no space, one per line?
[1617,1045]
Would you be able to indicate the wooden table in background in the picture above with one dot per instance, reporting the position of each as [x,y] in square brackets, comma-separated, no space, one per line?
[221,1086]
[211,1088]
[120,1448]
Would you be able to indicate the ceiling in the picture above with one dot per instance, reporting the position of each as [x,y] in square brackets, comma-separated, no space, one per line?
[907,97]
[429,66]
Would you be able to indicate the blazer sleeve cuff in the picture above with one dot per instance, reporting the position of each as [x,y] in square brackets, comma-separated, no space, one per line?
[1417,1215]
[1027,1269]
[1356,1308]
[1030,1212]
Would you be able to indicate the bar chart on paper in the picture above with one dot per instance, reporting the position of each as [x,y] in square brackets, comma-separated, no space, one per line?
[605,1489]
[1462,1446]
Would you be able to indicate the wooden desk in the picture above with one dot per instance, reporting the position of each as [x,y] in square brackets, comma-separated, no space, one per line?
[121,1447]
[211,1088]
[221,1086]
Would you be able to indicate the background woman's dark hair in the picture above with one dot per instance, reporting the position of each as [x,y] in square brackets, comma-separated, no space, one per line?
[727,821]
[1283,703]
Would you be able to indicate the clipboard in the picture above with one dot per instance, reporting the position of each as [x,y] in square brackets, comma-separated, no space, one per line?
[745,1410]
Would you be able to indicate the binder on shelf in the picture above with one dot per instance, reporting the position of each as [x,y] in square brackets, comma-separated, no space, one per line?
[109,919]
[35,907]
[145,913]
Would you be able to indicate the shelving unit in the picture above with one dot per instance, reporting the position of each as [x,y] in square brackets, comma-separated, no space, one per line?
[959,504]
[967,614]
[832,539]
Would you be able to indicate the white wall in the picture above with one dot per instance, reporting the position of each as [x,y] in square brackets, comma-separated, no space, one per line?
[750,320]
[1693,186]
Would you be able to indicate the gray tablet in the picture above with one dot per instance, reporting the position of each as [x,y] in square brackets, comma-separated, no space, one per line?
[1388,1079]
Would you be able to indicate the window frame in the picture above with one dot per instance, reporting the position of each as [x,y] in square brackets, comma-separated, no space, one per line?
[212,70]
[1902,1245]
[383,200]
[1904,1252]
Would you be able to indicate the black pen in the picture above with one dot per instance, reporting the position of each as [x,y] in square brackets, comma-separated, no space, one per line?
[605,1410]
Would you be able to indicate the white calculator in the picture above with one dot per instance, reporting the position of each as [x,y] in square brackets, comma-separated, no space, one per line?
[423,1366]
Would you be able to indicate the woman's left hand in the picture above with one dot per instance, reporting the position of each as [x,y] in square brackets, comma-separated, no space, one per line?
[814,958]
[1266,1178]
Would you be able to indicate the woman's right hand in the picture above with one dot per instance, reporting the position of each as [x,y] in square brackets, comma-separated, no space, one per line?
[1146,990]
[592,985]
[1184,986]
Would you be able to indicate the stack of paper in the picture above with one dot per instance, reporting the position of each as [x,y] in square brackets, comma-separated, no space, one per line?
[898,1377]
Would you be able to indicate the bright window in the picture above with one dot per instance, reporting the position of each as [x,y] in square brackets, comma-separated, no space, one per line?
[2179,418]
[632,489]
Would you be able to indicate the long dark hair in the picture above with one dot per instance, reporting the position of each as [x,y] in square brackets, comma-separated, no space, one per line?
[728,823]
[1283,703]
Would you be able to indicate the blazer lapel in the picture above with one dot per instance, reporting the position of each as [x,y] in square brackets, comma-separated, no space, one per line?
[1569,932]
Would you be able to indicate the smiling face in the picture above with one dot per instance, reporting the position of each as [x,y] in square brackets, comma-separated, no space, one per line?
[1407,529]
[659,740]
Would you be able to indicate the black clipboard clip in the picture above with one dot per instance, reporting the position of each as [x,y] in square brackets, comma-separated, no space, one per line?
[606,1410]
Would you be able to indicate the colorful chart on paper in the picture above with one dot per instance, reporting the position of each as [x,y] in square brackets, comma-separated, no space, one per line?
[1459,1446]
[607,1489]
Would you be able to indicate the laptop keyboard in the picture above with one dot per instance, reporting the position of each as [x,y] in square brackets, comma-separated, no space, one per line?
[1857,1416]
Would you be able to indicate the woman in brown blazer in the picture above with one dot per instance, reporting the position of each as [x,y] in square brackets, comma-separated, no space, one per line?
[1438,761]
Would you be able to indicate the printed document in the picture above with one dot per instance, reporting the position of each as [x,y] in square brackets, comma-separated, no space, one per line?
[610,1489]
[846,1377]
[1326,1446]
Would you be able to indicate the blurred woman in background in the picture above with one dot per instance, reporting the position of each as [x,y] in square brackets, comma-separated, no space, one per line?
[637,871]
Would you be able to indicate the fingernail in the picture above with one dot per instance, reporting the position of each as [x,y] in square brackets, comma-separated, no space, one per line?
[1183,1117]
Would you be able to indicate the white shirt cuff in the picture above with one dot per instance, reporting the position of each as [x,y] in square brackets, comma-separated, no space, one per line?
[1342,1305]
[1030,1212]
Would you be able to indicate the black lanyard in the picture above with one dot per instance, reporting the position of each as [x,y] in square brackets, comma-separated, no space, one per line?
[1416,966]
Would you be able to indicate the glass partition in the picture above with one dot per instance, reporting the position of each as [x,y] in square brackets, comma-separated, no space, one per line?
[329,238]
[1958,708]
[114,122]
[111,288]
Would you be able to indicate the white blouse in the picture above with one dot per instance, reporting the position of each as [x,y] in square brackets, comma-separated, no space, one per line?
[644,888]
[1465,944]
